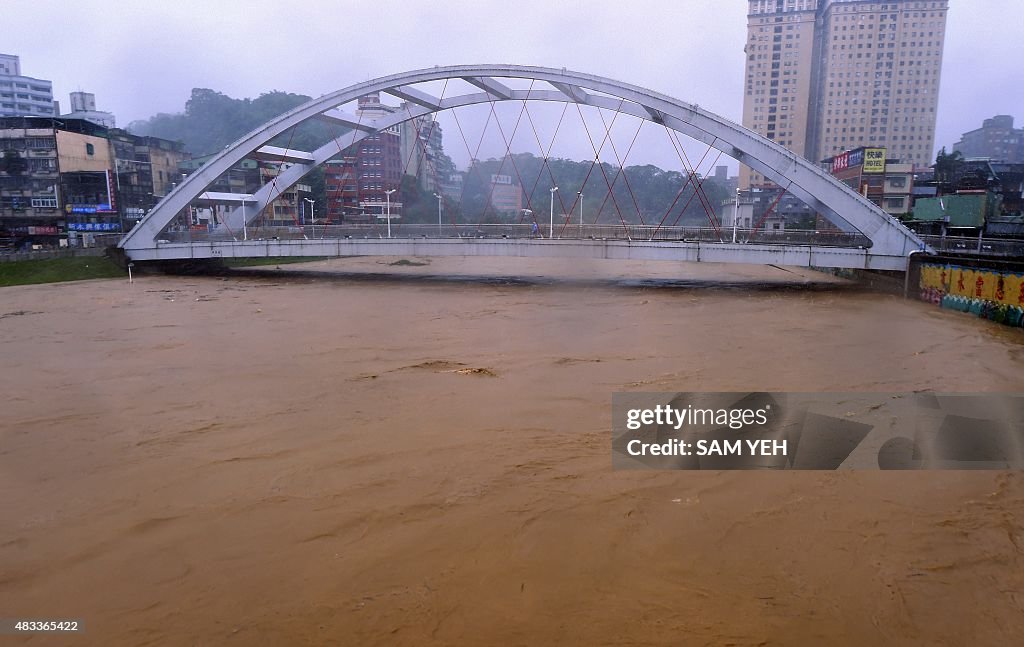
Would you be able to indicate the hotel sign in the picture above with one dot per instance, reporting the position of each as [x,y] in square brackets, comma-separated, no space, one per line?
[871,160]
[874,160]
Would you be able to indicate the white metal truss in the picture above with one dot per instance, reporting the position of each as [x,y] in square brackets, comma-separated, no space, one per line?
[822,192]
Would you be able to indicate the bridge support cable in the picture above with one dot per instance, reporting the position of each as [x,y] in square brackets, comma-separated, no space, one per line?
[355,124]
[420,150]
[259,217]
[698,191]
[599,149]
[586,178]
[692,172]
[545,154]
[767,212]
[432,164]
[472,156]
[705,201]
[690,178]
[620,171]
[597,159]
[508,149]
[622,163]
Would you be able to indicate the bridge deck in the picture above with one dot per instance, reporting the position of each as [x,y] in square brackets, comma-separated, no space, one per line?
[658,250]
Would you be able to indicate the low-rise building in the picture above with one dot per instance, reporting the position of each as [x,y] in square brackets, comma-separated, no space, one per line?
[59,177]
[506,196]
[146,170]
[53,173]
[246,178]
[961,214]
[997,139]
[342,192]
[889,183]
[83,106]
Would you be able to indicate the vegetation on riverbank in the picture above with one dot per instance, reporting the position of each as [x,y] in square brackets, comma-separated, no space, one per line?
[54,270]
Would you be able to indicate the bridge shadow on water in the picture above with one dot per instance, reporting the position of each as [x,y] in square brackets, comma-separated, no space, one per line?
[797,284]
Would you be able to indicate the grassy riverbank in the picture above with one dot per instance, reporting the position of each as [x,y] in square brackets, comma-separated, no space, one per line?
[54,270]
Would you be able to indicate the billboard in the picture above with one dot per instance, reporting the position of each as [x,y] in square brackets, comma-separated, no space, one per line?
[841,162]
[856,158]
[874,160]
[94,226]
[871,160]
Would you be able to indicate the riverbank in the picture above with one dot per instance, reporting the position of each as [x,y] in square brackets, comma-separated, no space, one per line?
[56,270]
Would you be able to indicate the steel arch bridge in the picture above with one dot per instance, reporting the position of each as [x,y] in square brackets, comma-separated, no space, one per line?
[890,242]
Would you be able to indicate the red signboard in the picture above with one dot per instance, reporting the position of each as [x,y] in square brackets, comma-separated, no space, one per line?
[841,162]
[111,192]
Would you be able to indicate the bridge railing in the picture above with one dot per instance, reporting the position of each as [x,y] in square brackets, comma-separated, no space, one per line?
[975,245]
[636,233]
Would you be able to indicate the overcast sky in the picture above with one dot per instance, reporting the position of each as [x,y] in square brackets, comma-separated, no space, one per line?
[140,58]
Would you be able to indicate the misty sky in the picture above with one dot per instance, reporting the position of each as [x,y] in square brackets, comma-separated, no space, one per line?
[140,58]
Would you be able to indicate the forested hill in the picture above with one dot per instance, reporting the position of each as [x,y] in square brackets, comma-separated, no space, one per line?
[213,120]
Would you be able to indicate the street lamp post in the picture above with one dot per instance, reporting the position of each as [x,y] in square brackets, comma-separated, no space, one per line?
[551,224]
[438,196]
[312,216]
[580,193]
[388,194]
[245,226]
[736,214]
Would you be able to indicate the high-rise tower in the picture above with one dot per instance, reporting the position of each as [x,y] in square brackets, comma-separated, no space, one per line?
[824,76]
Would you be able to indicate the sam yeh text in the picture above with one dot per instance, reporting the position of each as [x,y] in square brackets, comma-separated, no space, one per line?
[704,447]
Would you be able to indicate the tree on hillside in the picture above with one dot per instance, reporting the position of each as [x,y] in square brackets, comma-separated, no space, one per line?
[639,193]
[947,166]
[213,120]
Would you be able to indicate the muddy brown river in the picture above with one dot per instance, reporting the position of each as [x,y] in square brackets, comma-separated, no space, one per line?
[358,453]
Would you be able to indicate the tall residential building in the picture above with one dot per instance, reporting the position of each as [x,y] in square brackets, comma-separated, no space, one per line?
[23,95]
[379,163]
[826,76]
[997,139]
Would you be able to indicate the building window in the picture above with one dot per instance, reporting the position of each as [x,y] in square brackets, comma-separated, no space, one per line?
[90,149]
[44,203]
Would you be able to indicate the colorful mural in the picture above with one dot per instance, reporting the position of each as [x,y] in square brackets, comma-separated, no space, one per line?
[986,293]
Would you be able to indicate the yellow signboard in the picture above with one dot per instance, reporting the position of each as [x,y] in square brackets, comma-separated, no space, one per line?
[874,160]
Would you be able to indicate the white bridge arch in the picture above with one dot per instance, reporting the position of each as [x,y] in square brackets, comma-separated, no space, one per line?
[891,242]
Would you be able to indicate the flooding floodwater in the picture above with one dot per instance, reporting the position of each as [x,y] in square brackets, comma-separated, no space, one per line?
[379,454]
